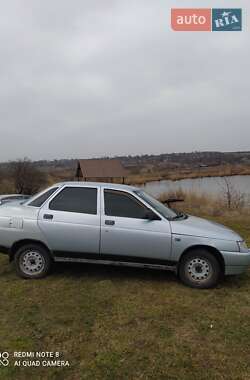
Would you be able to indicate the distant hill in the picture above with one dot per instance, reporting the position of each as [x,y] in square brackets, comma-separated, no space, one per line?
[161,161]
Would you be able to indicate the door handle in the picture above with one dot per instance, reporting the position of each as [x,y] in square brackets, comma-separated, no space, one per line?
[48,216]
[109,222]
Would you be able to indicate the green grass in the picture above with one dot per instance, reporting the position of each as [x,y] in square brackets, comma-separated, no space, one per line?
[120,323]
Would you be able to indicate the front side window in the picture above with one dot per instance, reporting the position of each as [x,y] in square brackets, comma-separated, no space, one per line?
[40,200]
[76,199]
[118,203]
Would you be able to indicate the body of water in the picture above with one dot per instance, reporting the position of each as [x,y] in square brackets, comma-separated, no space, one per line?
[208,185]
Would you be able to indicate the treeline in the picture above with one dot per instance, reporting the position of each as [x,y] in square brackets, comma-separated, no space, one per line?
[208,158]
[192,158]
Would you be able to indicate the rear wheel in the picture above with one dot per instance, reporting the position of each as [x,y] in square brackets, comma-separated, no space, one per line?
[32,261]
[199,269]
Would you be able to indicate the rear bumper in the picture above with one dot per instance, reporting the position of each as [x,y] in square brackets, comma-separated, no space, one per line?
[236,262]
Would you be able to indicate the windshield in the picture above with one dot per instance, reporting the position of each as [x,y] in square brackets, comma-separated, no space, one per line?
[158,206]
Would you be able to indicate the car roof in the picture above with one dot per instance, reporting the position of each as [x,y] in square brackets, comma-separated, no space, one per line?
[115,186]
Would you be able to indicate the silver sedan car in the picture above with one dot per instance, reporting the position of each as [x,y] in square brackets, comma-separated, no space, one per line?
[116,225]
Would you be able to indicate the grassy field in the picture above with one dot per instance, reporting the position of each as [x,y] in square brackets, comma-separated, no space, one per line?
[114,323]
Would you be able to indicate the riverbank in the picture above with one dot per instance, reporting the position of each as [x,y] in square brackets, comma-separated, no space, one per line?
[210,206]
[179,174]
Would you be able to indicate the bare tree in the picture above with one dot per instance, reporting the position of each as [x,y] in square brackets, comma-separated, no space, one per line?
[234,198]
[26,177]
[5,185]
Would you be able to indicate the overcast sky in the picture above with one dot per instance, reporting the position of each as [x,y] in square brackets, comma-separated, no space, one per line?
[86,78]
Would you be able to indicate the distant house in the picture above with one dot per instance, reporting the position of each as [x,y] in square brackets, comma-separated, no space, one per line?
[102,170]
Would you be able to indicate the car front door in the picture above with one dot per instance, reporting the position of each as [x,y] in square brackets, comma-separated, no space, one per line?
[70,221]
[125,232]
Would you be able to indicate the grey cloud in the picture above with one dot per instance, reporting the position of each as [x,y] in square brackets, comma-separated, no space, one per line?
[91,78]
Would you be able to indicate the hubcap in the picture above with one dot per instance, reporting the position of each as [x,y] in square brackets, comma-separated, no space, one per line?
[32,262]
[198,269]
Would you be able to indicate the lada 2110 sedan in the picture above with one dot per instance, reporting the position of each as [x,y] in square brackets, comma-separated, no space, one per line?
[118,225]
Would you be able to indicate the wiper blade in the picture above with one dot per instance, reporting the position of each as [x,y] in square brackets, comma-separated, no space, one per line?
[180,215]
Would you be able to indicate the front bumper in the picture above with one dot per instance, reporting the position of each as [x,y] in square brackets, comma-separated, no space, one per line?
[236,262]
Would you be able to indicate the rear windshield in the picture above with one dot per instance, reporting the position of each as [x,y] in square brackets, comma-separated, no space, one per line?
[41,199]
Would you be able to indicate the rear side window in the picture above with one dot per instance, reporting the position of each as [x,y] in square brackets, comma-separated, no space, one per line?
[76,199]
[118,203]
[38,202]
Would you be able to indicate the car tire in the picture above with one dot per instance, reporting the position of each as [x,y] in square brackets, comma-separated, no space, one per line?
[32,261]
[199,269]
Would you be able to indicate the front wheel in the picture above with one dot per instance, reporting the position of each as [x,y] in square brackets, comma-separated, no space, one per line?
[199,269]
[32,261]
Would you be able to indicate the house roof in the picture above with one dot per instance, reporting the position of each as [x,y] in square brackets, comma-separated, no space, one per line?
[102,168]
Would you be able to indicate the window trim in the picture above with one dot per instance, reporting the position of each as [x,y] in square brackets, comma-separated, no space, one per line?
[133,197]
[76,187]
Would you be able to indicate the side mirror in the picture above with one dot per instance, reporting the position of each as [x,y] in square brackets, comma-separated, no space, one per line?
[150,215]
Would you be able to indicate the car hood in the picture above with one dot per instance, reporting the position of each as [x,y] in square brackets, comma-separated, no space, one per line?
[194,226]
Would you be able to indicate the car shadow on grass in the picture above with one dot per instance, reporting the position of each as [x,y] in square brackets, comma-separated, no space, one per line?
[237,281]
[114,273]
[76,271]
[103,272]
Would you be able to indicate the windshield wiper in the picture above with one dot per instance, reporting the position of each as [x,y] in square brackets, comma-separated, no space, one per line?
[180,215]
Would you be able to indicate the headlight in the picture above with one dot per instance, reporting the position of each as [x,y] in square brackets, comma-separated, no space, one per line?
[242,246]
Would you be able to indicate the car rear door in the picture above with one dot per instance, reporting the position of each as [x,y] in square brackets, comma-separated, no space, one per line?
[126,234]
[70,221]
